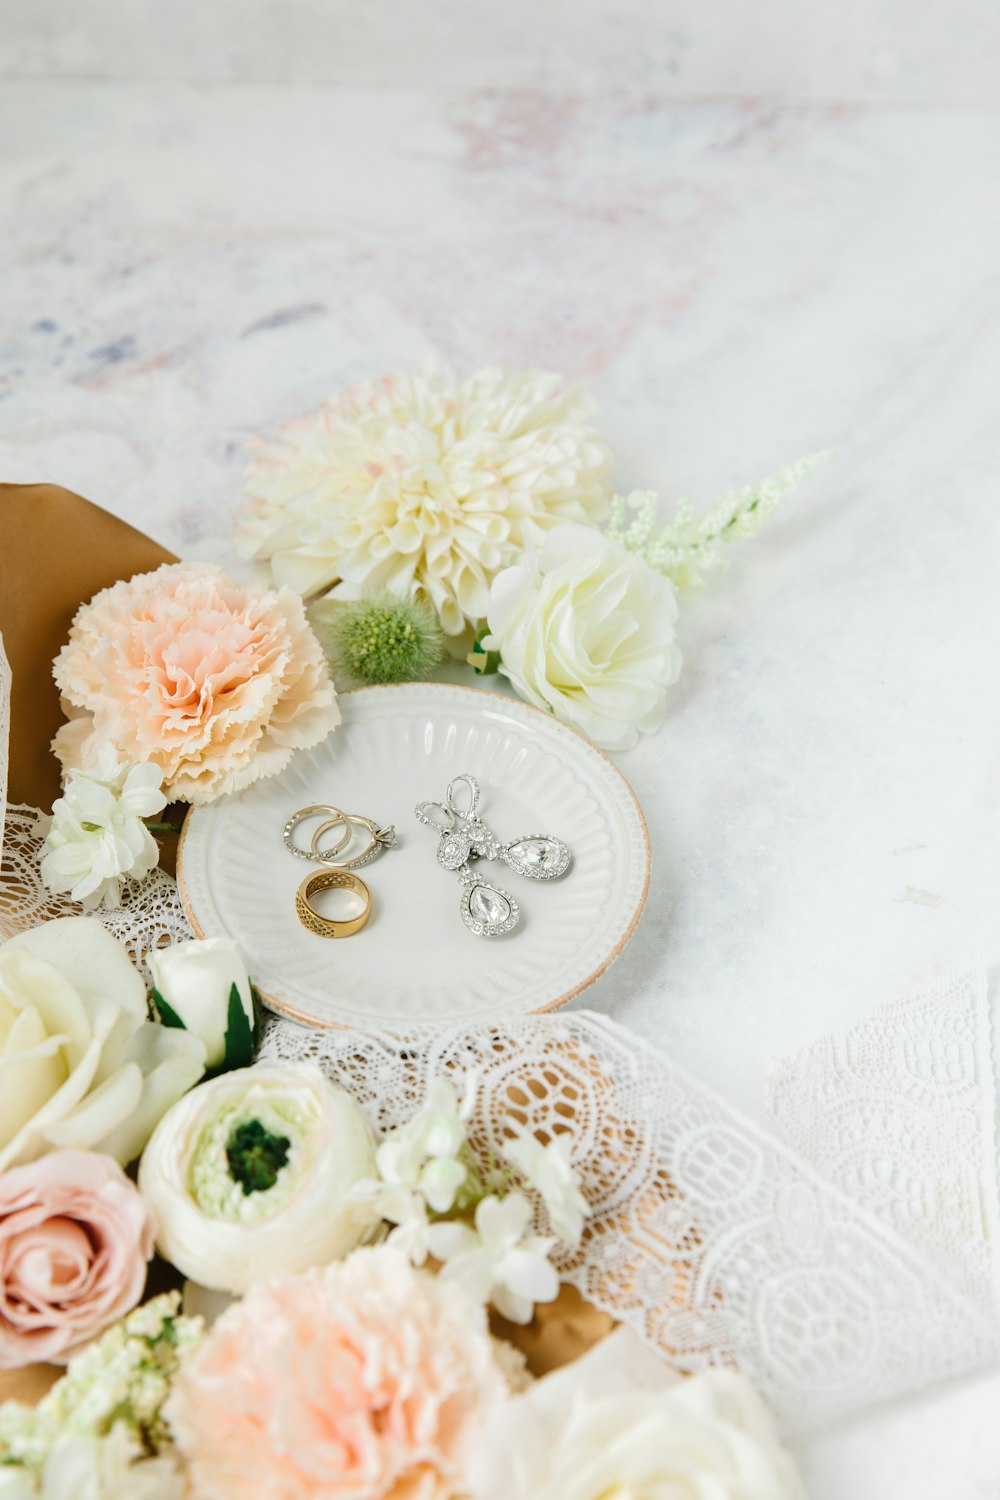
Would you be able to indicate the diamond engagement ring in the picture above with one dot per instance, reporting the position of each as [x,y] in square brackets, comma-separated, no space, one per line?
[378,839]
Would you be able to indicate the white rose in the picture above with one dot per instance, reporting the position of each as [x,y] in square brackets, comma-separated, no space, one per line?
[587,631]
[196,980]
[252,1174]
[80,1063]
[618,1425]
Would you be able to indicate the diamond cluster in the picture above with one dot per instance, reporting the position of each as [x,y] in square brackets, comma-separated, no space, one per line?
[453,850]
[487,910]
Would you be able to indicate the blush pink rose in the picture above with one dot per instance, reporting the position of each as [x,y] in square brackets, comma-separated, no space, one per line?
[75,1238]
[365,1379]
[215,683]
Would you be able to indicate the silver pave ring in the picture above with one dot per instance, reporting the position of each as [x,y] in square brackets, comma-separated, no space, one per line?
[316,810]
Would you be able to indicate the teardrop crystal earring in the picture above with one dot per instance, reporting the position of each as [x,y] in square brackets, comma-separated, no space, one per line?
[538,856]
[486,909]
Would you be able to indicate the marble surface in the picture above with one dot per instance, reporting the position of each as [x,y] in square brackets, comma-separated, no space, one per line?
[940,51]
[739,282]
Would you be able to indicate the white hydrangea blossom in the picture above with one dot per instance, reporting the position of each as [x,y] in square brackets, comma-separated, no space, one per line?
[429,1181]
[498,1261]
[429,1156]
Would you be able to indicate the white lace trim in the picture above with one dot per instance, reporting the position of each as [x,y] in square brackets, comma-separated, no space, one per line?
[714,1240]
[900,1114]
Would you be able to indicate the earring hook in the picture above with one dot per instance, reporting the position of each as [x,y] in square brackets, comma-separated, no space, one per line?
[423,816]
[473,786]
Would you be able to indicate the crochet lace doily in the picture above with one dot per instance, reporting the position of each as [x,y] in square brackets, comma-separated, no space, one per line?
[849,1256]
[150,915]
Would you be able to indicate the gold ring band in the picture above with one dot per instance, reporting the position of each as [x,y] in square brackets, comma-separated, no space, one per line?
[328,880]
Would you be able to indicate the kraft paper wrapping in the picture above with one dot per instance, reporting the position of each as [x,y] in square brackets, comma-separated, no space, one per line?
[56,551]
[560,1331]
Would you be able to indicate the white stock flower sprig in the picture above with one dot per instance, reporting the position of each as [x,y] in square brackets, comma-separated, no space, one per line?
[473,1217]
[692,545]
[104,1418]
[98,836]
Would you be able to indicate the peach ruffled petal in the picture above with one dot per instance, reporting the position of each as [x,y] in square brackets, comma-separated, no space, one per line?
[213,683]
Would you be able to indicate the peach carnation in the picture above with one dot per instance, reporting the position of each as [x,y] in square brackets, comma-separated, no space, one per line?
[211,681]
[366,1379]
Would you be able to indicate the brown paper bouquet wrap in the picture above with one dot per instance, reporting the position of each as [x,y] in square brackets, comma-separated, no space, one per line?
[57,550]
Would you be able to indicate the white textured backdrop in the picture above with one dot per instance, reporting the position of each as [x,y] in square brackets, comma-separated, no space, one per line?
[942,51]
[740,279]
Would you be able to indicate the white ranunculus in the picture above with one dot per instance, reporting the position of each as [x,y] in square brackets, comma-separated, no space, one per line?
[586,630]
[80,1064]
[97,837]
[196,979]
[252,1174]
[618,1425]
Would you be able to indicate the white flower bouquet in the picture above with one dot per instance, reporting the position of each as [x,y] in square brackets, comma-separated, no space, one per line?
[359,1359]
[379,1286]
[408,512]
[482,502]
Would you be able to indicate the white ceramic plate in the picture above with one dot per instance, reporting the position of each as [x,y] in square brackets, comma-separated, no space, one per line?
[416,960]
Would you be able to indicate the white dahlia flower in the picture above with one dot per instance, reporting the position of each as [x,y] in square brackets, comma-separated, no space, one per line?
[252,1174]
[425,485]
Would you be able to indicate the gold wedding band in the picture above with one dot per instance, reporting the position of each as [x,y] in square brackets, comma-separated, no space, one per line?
[328,880]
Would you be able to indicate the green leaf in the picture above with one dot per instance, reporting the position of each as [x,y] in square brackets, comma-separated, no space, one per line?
[239,1034]
[167,1015]
[258,1018]
[484,663]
